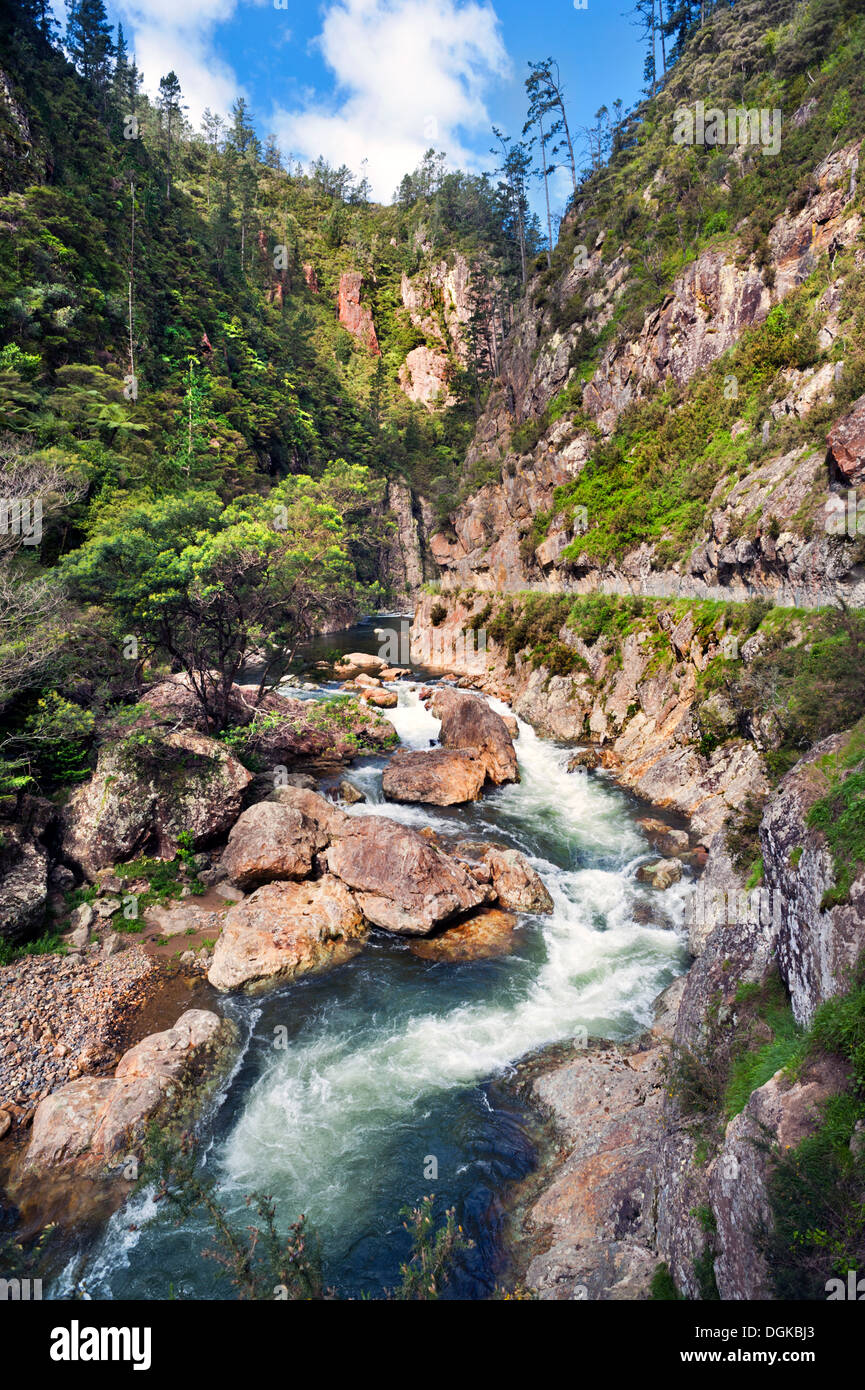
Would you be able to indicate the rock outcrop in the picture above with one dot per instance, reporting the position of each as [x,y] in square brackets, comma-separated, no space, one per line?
[401,882]
[354,316]
[597,1211]
[847,446]
[777,1117]
[817,947]
[94,1123]
[285,930]
[144,795]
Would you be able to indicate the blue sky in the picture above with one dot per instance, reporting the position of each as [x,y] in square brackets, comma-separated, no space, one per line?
[385,79]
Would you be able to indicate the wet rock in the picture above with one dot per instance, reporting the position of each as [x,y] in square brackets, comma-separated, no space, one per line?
[489,932]
[661,875]
[511,876]
[439,777]
[349,793]
[468,723]
[94,1123]
[284,930]
[401,881]
[586,758]
[667,839]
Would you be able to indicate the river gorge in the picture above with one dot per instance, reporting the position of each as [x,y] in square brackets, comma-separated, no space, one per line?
[362,1089]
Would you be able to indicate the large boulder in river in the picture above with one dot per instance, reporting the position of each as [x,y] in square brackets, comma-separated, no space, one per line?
[146,792]
[400,880]
[357,664]
[513,880]
[468,723]
[280,837]
[437,776]
[284,930]
[95,1122]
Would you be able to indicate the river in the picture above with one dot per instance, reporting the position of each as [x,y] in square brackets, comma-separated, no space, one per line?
[352,1081]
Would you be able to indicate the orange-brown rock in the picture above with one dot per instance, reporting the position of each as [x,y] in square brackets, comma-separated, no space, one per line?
[401,882]
[279,838]
[437,776]
[469,723]
[490,932]
[353,315]
[284,930]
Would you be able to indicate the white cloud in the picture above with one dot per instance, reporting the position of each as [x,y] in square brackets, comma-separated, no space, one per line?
[409,74]
[178,35]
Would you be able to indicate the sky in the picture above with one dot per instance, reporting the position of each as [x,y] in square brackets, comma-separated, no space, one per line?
[383,80]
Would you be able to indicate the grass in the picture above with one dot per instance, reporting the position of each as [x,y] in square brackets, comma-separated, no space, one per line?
[840,815]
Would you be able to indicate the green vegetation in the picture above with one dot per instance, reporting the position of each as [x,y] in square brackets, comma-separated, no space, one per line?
[840,814]
[259,1261]
[817,1190]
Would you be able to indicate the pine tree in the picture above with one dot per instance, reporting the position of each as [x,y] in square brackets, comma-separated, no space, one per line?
[88,41]
[171,106]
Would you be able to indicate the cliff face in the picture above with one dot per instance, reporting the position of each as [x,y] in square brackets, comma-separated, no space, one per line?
[639,709]
[407,562]
[713,303]
[354,316]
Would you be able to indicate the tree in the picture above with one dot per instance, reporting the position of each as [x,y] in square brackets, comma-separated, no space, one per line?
[546,87]
[88,41]
[540,106]
[33,491]
[171,107]
[515,168]
[207,585]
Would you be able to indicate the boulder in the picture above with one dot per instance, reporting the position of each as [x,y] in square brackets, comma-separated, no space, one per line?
[489,932]
[584,758]
[661,875]
[511,876]
[380,699]
[279,838]
[468,723]
[143,795]
[358,663]
[23,883]
[401,881]
[349,793]
[93,1123]
[438,776]
[284,930]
